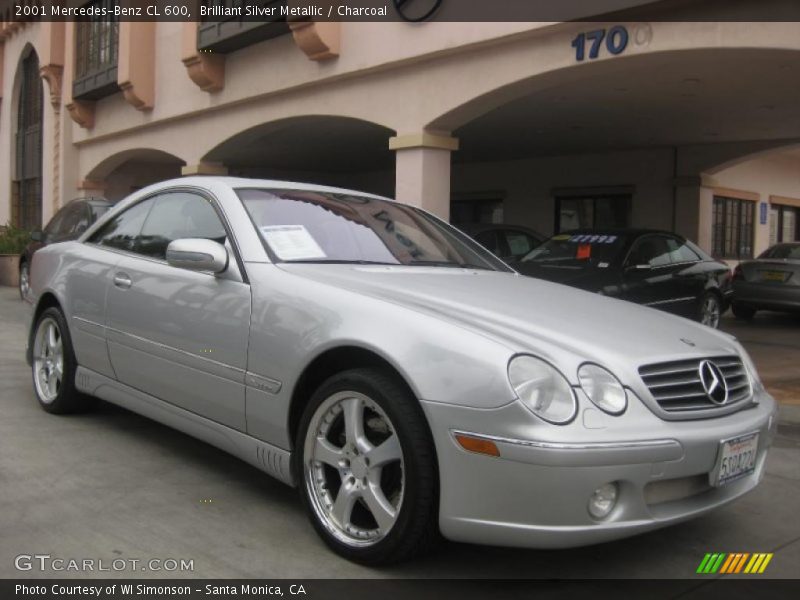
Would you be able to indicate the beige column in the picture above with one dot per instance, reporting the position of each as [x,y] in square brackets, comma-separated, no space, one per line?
[422,170]
[204,168]
[91,187]
[694,201]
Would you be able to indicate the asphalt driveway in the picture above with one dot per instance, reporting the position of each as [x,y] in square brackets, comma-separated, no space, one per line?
[112,485]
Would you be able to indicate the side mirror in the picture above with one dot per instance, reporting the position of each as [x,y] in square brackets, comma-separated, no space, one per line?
[36,236]
[197,255]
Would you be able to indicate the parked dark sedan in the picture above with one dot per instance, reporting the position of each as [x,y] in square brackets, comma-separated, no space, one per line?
[770,282]
[67,224]
[654,268]
[509,242]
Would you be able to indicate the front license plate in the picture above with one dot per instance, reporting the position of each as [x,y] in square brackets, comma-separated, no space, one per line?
[774,276]
[736,459]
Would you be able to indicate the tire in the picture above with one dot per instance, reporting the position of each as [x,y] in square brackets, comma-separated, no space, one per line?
[389,512]
[24,279]
[710,310]
[743,312]
[53,366]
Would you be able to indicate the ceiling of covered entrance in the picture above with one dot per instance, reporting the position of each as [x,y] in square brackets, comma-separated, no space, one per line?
[675,99]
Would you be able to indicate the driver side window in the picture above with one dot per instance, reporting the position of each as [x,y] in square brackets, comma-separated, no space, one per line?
[651,250]
[178,215]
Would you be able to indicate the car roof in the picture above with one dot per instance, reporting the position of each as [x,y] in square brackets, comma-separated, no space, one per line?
[245,183]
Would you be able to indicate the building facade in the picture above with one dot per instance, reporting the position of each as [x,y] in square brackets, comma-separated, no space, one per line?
[687,126]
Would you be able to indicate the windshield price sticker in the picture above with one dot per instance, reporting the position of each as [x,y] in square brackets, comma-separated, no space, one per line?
[292,242]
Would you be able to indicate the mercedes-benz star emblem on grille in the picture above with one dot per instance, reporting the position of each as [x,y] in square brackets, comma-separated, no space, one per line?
[713,382]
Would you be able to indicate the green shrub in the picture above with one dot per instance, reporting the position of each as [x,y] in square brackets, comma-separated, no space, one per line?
[13,239]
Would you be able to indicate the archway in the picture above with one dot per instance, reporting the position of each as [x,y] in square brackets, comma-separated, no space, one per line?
[330,150]
[130,170]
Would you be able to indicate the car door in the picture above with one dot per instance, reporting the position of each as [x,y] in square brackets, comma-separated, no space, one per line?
[648,274]
[691,275]
[177,334]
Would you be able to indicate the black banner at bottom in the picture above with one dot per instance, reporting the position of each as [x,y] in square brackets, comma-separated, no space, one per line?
[391,589]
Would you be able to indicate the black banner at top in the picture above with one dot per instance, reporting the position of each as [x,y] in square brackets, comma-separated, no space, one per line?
[413,11]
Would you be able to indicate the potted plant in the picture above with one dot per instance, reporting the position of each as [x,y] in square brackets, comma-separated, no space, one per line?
[12,242]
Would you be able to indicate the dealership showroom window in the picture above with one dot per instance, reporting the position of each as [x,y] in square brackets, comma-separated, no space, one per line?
[377,297]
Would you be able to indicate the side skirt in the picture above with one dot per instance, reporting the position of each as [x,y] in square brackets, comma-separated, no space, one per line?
[266,457]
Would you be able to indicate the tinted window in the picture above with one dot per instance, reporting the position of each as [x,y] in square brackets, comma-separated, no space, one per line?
[123,230]
[76,221]
[519,243]
[177,216]
[653,250]
[488,239]
[55,223]
[578,250]
[783,251]
[681,252]
[323,227]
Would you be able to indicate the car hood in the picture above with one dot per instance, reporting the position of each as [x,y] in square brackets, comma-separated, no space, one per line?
[587,278]
[530,315]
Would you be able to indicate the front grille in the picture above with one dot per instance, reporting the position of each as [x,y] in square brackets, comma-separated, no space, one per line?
[677,386]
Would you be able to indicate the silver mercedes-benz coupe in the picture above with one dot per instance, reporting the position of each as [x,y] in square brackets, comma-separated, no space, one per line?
[407,381]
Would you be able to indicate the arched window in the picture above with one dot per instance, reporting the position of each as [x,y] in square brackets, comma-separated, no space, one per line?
[27,189]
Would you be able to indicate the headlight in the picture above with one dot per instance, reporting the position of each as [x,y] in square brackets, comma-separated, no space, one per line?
[603,389]
[542,389]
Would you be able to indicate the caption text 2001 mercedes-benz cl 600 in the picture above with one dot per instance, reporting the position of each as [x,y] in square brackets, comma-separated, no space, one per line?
[407,381]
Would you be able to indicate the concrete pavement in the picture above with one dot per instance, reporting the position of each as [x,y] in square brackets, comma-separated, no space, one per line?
[112,485]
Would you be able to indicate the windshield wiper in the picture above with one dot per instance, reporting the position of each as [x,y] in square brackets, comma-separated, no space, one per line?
[447,263]
[322,261]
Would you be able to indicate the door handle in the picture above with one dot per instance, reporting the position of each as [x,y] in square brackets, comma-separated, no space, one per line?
[122,281]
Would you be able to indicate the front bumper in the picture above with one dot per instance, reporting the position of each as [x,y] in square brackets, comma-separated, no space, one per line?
[536,493]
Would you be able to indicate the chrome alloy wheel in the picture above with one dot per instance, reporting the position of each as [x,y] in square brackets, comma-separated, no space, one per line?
[24,281]
[353,469]
[710,311]
[48,360]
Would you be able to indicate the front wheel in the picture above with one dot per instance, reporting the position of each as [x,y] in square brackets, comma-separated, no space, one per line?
[710,310]
[54,366]
[366,468]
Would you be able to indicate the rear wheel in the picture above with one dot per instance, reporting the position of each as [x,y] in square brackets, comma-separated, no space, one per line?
[24,280]
[710,310]
[743,312]
[366,468]
[54,366]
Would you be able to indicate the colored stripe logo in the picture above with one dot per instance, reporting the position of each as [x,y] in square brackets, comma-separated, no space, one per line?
[734,562]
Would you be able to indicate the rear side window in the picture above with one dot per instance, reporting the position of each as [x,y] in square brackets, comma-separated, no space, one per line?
[122,231]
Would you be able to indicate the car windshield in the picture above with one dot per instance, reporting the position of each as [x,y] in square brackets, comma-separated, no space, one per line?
[783,251]
[577,250]
[301,226]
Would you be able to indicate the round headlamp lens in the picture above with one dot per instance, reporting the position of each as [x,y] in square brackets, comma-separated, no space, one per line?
[542,389]
[603,389]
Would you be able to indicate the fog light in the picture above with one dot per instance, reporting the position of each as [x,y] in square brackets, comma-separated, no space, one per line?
[603,500]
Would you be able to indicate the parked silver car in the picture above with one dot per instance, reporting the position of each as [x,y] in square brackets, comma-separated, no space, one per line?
[406,380]
[770,282]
